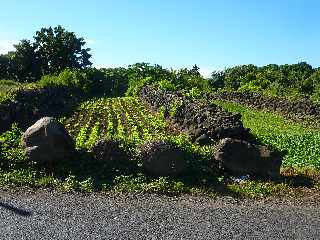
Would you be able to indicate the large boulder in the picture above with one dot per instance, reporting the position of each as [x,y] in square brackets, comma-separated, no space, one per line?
[47,142]
[241,157]
[161,158]
[109,151]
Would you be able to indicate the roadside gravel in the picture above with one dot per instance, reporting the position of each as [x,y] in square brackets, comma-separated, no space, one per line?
[47,214]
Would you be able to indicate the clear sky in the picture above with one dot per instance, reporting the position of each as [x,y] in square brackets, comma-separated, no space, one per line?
[176,33]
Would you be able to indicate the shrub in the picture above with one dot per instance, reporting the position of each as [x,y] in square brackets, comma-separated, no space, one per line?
[11,152]
[67,78]
[166,85]
[136,86]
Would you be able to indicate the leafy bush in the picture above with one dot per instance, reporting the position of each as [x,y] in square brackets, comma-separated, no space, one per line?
[166,85]
[135,88]
[67,78]
[194,93]
[11,152]
[175,107]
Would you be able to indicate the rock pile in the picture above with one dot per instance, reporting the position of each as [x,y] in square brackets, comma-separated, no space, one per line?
[298,108]
[203,122]
[208,123]
[31,104]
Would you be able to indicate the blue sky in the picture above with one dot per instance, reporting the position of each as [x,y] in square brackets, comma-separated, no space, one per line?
[177,33]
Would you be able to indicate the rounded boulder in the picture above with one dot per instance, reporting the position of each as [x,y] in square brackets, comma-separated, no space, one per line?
[162,158]
[47,142]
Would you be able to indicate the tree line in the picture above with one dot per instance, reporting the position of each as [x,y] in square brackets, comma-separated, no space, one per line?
[51,51]
[56,56]
[287,79]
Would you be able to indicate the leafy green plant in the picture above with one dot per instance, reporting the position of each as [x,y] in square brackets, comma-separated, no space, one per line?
[86,185]
[71,78]
[11,152]
[94,136]
[175,107]
[194,93]
[166,85]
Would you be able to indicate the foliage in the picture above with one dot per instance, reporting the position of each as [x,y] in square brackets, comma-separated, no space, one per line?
[166,85]
[175,107]
[116,79]
[60,49]
[194,93]
[67,78]
[142,74]
[53,50]
[11,153]
[127,120]
[216,79]
[258,189]
[7,87]
[25,62]
[124,119]
[283,80]
[71,183]
[140,183]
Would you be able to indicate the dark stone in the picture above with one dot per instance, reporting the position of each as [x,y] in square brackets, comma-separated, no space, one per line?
[47,142]
[161,158]
[240,158]
[299,109]
[109,151]
[203,140]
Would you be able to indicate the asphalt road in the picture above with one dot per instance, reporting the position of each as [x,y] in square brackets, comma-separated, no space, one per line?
[52,215]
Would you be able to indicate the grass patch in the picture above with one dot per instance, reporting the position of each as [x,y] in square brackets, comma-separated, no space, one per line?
[8,89]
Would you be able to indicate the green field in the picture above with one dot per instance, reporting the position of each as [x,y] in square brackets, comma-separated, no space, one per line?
[125,119]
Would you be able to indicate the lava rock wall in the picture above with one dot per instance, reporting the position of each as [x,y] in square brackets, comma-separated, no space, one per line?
[203,122]
[30,105]
[298,109]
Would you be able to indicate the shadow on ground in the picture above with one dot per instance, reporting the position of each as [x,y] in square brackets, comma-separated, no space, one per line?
[16,210]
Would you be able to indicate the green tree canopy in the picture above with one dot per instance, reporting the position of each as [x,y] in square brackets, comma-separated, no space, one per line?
[59,49]
[53,50]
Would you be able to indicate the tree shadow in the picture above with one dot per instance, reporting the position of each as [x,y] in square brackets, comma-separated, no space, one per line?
[16,210]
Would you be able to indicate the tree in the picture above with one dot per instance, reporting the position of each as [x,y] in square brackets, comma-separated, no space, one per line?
[59,49]
[216,79]
[53,50]
[195,71]
[25,62]
[4,67]
[240,75]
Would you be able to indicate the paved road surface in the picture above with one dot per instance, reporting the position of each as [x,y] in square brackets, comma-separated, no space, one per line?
[52,215]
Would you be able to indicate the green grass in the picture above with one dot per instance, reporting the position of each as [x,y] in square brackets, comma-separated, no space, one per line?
[301,140]
[8,89]
[7,85]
